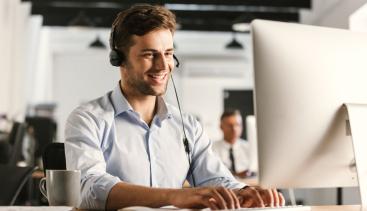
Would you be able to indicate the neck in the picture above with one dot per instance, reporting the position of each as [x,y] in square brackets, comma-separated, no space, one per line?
[144,105]
[231,142]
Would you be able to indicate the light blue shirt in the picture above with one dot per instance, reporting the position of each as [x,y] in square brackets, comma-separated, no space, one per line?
[109,142]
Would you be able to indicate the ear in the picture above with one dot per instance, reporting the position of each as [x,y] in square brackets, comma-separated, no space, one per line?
[221,126]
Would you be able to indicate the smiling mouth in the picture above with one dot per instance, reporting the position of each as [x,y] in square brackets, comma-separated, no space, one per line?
[158,78]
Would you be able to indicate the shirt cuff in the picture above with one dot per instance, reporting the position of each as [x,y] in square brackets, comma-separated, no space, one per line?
[95,190]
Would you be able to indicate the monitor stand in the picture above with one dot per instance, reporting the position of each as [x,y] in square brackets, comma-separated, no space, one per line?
[357,114]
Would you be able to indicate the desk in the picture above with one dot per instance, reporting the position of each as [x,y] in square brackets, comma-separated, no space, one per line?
[30,208]
[336,208]
[313,208]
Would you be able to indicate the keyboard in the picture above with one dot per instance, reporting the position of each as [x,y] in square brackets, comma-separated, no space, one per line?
[284,208]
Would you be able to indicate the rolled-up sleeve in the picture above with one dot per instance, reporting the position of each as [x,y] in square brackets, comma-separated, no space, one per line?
[83,137]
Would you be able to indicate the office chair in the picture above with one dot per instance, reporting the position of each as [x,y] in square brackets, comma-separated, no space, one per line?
[12,180]
[16,141]
[44,132]
[5,151]
[54,156]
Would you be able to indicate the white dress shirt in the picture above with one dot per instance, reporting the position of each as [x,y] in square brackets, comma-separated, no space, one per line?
[240,153]
[109,142]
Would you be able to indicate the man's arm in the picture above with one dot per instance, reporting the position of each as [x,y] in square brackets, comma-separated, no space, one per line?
[83,152]
[125,195]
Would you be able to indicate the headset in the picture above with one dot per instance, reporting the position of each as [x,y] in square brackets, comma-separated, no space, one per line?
[117,58]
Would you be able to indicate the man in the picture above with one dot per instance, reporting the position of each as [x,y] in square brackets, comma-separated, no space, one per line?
[129,145]
[233,151]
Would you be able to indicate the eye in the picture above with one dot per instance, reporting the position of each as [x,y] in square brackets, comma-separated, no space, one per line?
[148,55]
[168,54]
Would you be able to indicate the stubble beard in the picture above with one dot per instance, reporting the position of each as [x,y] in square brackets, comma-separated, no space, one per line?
[144,88]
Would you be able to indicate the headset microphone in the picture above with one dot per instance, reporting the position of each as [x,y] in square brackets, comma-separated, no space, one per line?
[185,140]
[177,62]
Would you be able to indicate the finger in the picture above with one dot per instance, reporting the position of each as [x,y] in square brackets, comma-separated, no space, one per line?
[251,198]
[266,195]
[227,197]
[219,199]
[275,197]
[259,199]
[212,204]
[235,199]
[268,198]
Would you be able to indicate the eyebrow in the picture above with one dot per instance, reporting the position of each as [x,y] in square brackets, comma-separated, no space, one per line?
[154,50]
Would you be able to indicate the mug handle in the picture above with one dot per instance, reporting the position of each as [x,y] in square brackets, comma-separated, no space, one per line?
[42,187]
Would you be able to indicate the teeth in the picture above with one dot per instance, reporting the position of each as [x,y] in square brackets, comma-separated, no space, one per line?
[157,76]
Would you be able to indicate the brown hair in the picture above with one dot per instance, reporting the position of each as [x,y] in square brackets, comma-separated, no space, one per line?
[228,113]
[139,19]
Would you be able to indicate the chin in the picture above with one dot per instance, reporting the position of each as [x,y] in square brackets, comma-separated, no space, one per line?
[160,93]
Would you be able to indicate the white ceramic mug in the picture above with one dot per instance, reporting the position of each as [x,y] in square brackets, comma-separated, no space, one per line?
[62,187]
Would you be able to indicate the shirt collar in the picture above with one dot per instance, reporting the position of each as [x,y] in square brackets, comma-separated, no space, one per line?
[228,145]
[119,101]
[121,104]
[163,112]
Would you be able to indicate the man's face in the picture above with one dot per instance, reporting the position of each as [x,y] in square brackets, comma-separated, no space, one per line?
[149,63]
[231,127]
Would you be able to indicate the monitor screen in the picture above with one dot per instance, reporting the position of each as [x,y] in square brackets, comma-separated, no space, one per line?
[303,76]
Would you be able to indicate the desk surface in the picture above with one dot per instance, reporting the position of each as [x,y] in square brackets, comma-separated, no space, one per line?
[336,208]
[313,208]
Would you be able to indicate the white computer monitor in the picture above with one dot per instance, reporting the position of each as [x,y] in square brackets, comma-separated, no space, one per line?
[303,76]
[251,137]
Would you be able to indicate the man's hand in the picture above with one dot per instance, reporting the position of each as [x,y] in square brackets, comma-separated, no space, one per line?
[213,197]
[258,197]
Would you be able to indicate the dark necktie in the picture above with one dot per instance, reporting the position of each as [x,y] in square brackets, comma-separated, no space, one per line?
[231,157]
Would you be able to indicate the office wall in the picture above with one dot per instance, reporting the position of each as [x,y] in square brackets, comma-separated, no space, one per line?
[80,76]
[18,44]
[331,13]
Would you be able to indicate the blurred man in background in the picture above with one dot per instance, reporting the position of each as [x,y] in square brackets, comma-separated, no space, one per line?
[233,151]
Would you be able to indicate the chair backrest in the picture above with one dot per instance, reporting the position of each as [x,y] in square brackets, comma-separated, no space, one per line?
[16,141]
[54,156]
[44,132]
[12,179]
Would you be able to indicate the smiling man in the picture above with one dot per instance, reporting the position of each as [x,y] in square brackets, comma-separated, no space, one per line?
[130,145]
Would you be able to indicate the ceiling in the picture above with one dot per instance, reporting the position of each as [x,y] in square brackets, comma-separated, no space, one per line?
[196,15]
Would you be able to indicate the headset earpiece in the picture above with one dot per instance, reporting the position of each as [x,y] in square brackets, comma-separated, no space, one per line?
[116,58]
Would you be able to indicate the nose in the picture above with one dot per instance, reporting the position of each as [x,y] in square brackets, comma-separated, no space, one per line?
[161,62]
